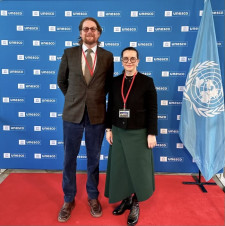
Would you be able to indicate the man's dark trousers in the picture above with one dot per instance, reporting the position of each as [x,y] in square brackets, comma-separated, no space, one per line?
[73,133]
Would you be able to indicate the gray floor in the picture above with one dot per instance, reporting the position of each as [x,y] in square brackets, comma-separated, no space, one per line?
[4,174]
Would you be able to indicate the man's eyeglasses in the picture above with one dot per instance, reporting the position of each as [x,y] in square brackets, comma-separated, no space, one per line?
[86,29]
[126,59]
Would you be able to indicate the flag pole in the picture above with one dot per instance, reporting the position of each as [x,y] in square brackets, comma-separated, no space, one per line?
[199,183]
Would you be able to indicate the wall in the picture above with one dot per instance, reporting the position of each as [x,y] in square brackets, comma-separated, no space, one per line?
[33,37]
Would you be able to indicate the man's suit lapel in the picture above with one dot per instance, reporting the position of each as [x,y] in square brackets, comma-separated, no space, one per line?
[77,56]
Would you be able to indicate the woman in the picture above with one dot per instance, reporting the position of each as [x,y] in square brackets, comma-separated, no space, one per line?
[131,132]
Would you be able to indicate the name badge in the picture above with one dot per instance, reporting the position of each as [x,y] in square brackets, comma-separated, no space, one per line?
[124,113]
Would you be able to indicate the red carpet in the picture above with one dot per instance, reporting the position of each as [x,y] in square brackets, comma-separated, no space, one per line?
[35,199]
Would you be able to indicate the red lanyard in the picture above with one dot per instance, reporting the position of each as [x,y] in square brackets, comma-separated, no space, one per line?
[89,68]
[125,98]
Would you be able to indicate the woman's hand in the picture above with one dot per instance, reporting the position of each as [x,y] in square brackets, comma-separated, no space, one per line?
[109,136]
[151,139]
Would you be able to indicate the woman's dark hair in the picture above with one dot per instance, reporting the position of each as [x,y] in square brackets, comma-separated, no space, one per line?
[99,28]
[130,48]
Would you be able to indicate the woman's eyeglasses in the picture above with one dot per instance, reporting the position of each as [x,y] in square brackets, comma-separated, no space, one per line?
[126,59]
[86,29]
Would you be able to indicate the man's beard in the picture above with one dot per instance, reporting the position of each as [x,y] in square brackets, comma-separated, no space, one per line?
[90,42]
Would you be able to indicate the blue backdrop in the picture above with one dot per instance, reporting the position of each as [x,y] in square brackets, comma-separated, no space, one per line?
[33,37]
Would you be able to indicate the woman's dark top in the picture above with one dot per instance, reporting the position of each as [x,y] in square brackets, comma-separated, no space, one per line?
[142,102]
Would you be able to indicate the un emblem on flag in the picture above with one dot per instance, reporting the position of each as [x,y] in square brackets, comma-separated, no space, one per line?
[204,90]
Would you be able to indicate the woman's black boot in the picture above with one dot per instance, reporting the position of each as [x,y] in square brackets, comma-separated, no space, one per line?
[134,212]
[124,205]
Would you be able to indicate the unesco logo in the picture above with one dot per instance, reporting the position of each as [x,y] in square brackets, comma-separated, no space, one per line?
[174,102]
[169,44]
[14,155]
[12,42]
[151,59]
[109,14]
[168,131]
[142,13]
[43,43]
[162,88]
[5,99]
[179,145]
[171,159]
[28,57]
[55,115]
[142,44]
[29,114]
[176,13]
[44,128]
[13,100]
[170,103]
[103,157]
[148,73]
[173,73]
[71,43]
[125,29]
[44,100]
[37,156]
[214,12]
[11,13]
[189,28]
[116,59]
[13,128]
[164,102]
[76,13]
[55,142]
[220,44]
[28,86]
[29,142]
[6,128]
[162,117]
[4,13]
[27,28]
[159,29]
[117,29]
[6,155]
[54,58]
[44,156]
[184,59]
[163,131]
[180,88]
[43,72]
[7,71]
[59,28]
[43,13]
[82,157]
[163,159]
[161,145]
[53,86]
[110,44]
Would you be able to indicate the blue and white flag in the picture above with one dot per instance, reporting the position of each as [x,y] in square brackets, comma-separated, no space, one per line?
[202,124]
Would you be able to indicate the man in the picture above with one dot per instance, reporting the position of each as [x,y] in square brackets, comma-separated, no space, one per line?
[84,77]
